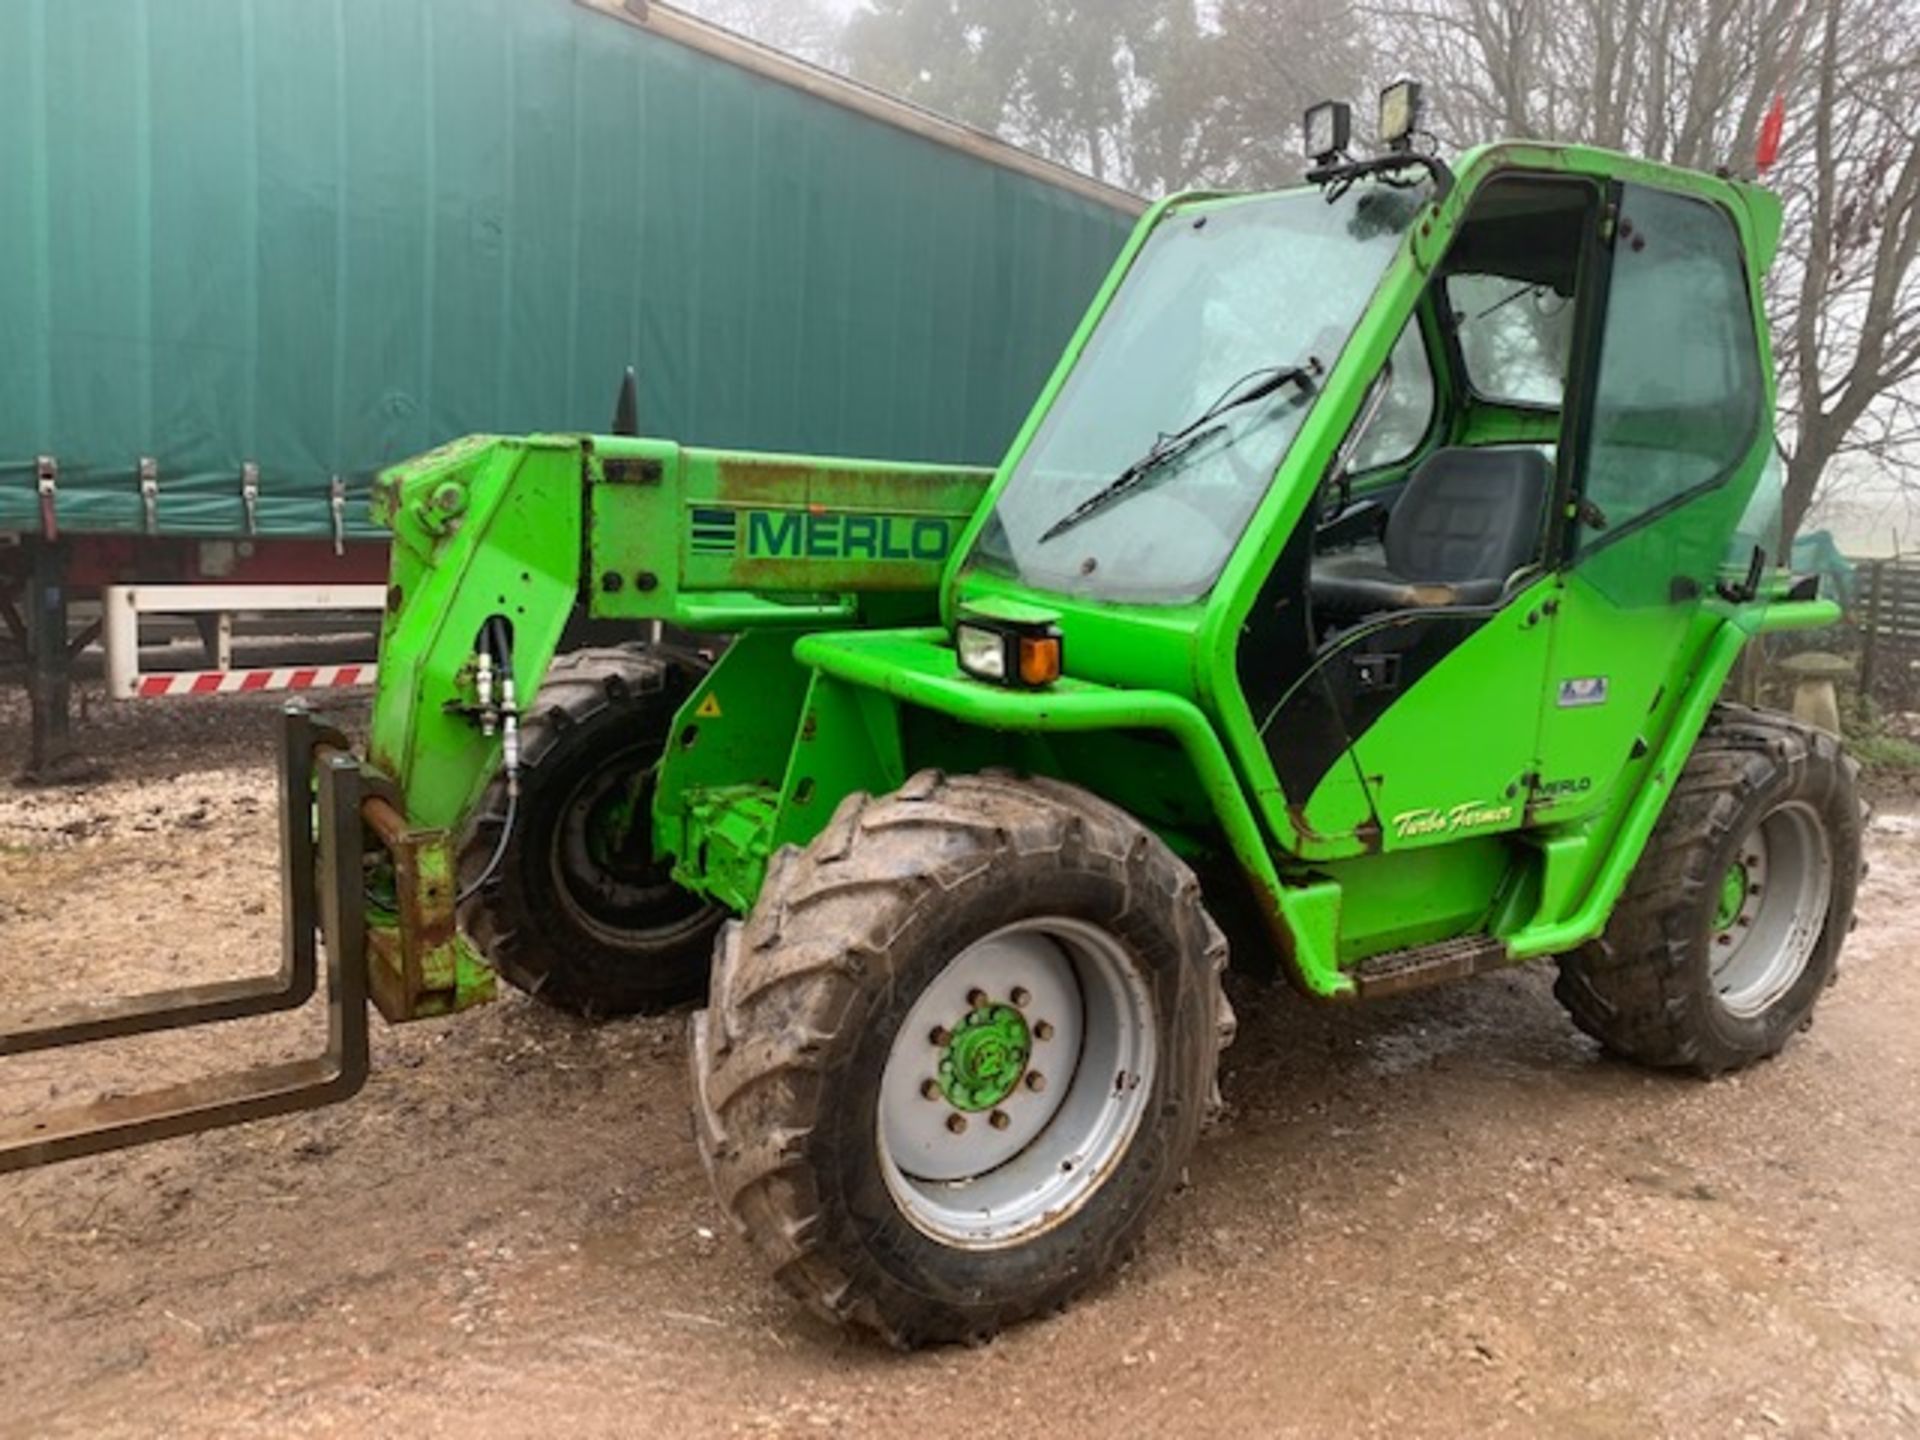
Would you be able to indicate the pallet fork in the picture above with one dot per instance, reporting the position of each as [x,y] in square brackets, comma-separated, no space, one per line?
[328,804]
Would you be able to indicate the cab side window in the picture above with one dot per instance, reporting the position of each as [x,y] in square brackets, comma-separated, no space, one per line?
[1515,336]
[1678,396]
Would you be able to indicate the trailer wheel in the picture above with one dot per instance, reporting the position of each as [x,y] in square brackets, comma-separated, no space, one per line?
[578,911]
[1731,925]
[958,1050]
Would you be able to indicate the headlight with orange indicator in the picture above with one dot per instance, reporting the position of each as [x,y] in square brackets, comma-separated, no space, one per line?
[1004,652]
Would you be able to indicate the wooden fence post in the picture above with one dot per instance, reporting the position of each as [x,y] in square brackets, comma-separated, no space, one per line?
[1872,625]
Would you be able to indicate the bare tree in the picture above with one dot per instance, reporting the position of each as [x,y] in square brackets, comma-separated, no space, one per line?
[1153,95]
[1063,77]
[1851,314]
[1160,94]
[1690,83]
[1248,78]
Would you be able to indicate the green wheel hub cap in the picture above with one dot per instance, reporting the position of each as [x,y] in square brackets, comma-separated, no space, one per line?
[610,822]
[985,1058]
[1733,894]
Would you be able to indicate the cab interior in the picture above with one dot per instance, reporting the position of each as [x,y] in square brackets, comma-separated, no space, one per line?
[1442,496]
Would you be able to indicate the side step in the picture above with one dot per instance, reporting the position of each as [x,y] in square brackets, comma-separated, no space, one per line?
[1422,966]
[323,896]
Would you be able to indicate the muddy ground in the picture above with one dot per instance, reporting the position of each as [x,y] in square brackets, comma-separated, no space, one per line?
[1444,1216]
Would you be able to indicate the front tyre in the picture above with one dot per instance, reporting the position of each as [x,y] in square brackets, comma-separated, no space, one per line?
[1732,923]
[958,1050]
[578,911]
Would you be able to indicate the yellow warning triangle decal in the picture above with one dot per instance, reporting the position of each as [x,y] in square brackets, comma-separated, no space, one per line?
[709,708]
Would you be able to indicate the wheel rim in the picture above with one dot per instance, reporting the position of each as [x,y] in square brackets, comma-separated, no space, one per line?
[605,873]
[1016,1081]
[1771,910]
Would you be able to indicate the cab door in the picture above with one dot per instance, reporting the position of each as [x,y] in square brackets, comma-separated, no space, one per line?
[1417,720]
[1676,436]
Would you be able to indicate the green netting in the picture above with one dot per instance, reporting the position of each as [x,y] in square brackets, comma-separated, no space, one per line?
[322,235]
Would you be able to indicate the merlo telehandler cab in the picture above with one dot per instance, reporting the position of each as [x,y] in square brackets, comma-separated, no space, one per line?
[1364,582]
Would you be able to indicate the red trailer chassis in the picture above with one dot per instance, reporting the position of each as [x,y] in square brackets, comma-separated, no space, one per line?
[41,578]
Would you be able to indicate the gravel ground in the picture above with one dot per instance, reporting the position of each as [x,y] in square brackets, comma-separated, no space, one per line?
[1445,1215]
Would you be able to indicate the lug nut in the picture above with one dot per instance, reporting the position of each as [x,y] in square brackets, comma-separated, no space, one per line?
[930,1089]
[999,1120]
[957,1124]
[1020,998]
[1036,1082]
[939,1035]
[1044,1030]
[977,999]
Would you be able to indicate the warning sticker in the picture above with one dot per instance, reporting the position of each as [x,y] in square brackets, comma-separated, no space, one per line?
[1590,690]
[709,708]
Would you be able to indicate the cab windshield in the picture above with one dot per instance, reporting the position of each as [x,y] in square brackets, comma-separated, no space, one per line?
[1220,298]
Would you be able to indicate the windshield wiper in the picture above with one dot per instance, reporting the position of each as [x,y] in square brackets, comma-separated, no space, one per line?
[1168,448]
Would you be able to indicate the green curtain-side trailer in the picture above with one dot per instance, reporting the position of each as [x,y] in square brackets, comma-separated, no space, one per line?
[266,244]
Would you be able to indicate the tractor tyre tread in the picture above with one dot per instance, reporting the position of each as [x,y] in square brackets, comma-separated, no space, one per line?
[582,691]
[789,992]
[1640,990]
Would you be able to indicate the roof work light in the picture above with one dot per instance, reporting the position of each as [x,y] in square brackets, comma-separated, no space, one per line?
[1399,114]
[1329,128]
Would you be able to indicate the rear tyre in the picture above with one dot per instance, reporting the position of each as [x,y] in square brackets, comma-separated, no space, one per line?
[579,912]
[1732,924]
[958,1050]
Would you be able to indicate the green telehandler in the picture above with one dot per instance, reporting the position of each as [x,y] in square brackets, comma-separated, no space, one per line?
[1362,588]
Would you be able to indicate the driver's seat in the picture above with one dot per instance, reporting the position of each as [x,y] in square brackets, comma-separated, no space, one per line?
[1466,522]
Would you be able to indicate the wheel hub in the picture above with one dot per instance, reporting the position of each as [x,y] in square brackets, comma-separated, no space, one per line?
[1733,896]
[1015,1079]
[1771,909]
[985,1058]
[609,825]
[603,868]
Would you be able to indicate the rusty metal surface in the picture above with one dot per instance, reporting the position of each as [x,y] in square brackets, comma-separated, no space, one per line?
[324,890]
[1399,971]
[415,962]
[747,478]
[288,988]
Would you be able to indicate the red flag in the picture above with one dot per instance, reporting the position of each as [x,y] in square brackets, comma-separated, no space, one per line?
[1768,150]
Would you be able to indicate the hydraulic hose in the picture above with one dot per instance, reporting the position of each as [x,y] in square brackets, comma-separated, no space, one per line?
[497,638]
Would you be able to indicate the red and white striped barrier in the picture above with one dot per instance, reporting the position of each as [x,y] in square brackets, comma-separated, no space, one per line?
[245,682]
[125,604]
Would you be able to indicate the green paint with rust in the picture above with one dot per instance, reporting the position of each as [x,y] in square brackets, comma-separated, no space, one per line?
[1733,894]
[840,580]
[419,964]
[518,542]
[610,825]
[984,1057]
